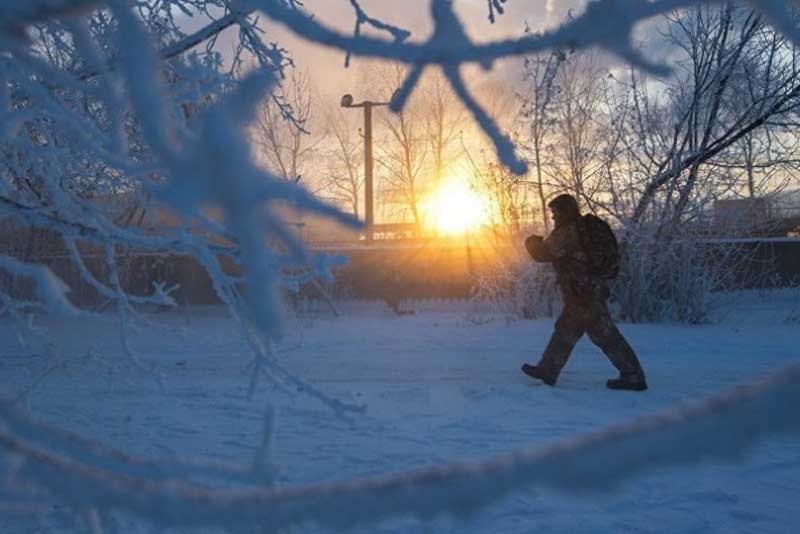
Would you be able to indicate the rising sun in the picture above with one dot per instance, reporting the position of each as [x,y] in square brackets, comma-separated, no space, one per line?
[455,209]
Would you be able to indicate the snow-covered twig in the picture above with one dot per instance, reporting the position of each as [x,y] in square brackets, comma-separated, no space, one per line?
[362,18]
[16,16]
[160,296]
[495,6]
[123,311]
[51,291]
[187,43]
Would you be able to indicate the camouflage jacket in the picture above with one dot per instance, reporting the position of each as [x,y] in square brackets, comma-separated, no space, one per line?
[564,250]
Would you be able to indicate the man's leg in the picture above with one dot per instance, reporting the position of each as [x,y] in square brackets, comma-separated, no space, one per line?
[569,329]
[604,333]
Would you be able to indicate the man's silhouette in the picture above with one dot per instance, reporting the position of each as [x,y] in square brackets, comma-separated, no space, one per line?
[577,251]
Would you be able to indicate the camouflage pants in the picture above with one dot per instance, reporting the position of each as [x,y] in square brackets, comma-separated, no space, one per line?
[590,317]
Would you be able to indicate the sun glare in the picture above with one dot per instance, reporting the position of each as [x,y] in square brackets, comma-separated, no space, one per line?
[455,209]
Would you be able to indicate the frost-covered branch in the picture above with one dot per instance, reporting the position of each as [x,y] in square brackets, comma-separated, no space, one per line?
[362,18]
[205,33]
[16,16]
[47,287]
[210,166]
[495,6]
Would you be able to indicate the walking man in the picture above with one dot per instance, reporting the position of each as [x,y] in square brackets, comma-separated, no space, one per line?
[583,251]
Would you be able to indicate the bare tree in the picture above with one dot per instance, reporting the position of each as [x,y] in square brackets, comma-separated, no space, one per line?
[539,75]
[678,144]
[736,76]
[509,208]
[287,146]
[445,118]
[403,151]
[577,138]
[344,178]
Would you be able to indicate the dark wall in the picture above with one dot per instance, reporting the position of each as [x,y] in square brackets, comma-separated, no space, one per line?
[450,272]
[387,273]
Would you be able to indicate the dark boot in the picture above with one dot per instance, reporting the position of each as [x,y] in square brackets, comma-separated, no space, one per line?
[540,373]
[631,382]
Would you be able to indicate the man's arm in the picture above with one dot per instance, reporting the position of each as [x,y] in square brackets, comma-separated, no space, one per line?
[538,250]
[561,244]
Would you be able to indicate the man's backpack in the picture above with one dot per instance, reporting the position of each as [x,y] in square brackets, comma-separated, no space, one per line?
[600,245]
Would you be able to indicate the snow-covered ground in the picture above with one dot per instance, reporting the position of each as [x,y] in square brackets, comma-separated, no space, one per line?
[439,386]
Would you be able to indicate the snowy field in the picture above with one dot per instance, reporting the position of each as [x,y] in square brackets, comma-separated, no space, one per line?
[438,386]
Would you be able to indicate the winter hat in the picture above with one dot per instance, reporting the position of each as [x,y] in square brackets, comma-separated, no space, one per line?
[567,204]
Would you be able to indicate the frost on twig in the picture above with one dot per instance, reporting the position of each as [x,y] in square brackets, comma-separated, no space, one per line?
[495,6]
[47,287]
[16,16]
[362,18]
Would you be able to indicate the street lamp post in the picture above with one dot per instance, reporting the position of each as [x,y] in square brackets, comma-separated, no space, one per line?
[369,195]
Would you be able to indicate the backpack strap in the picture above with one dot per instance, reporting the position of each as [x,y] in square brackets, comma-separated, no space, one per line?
[580,225]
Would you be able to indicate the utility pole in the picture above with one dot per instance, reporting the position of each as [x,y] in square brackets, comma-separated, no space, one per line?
[369,193]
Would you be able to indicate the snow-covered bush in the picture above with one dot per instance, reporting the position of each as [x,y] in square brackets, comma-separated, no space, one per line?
[515,287]
[681,277]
